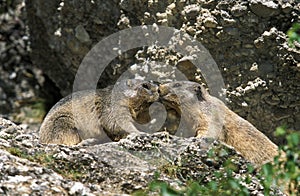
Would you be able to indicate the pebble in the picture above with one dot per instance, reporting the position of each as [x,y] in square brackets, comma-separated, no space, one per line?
[77,188]
[238,10]
[82,35]
[191,11]
[210,22]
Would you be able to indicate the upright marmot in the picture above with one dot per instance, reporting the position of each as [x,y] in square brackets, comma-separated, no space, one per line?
[105,114]
[211,118]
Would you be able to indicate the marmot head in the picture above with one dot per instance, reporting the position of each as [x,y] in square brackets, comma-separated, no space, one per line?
[135,94]
[140,90]
[176,94]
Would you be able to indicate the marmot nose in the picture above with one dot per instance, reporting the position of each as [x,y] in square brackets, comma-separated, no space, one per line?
[150,87]
[162,90]
[146,86]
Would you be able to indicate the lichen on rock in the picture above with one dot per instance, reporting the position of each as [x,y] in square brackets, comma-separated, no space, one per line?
[112,168]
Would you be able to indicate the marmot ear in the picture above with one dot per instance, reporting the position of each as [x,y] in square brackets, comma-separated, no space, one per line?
[130,82]
[198,93]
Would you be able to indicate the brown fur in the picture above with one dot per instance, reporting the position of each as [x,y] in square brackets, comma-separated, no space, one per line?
[98,114]
[212,118]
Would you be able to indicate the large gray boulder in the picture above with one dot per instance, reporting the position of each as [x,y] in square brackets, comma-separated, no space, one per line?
[247,39]
[28,167]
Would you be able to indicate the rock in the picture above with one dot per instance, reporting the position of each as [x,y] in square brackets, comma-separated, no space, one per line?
[287,8]
[228,29]
[191,11]
[82,35]
[238,10]
[210,22]
[77,20]
[112,168]
[264,8]
[21,83]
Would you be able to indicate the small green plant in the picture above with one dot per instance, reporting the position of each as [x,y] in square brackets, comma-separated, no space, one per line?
[40,157]
[71,174]
[294,34]
[227,185]
[16,152]
[282,173]
[31,110]
[47,160]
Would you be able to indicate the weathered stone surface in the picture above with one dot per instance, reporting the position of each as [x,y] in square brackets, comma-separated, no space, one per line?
[238,34]
[22,85]
[264,8]
[64,32]
[109,169]
[60,35]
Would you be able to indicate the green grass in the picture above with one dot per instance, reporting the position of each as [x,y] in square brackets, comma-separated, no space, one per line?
[40,157]
[47,160]
[285,171]
[294,34]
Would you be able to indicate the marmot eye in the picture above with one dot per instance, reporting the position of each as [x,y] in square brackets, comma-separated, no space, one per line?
[177,85]
[198,93]
[197,88]
[146,86]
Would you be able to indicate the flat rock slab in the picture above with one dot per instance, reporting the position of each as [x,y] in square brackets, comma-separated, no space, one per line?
[28,167]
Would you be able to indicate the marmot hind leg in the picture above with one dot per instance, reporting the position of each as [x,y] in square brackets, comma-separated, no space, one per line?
[63,131]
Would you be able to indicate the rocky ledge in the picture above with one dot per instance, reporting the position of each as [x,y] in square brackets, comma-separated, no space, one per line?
[117,168]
